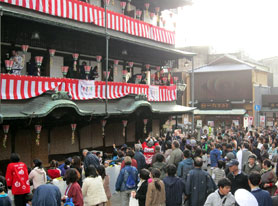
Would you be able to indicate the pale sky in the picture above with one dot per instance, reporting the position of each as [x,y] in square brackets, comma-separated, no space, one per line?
[231,25]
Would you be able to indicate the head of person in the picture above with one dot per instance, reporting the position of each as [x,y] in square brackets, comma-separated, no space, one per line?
[76,162]
[150,143]
[186,153]
[160,157]
[101,171]
[233,165]
[14,52]
[127,161]
[198,152]
[98,154]
[224,186]
[144,174]
[168,144]
[15,158]
[198,162]
[267,164]
[265,146]
[254,179]
[120,154]
[137,147]
[91,171]
[246,145]
[252,159]
[84,63]
[71,176]
[218,146]
[37,163]
[175,144]
[155,173]
[221,164]
[157,149]
[85,152]
[3,185]
[273,145]
[29,198]
[130,153]
[52,164]
[171,170]
[229,147]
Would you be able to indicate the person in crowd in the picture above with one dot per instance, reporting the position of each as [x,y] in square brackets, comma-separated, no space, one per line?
[264,152]
[156,190]
[142,187]
[139,157]
[161,165]
[130,154]
[38,174]
[4,198]
[174,187]
[186,165]
[18,63]
[176,154]
[245,154]
[168,150]
[53,172]
[252,165]
[127,181]
[66,165]
[28,199]
[237,178]
[272,151]
[215,155]
[199,184]
[90,159]
[149,148]
[76,164]
[205,159]
[218,173]
[119,159]
[106,182]
[47,194]
[73,188]
[222,196]
[93,189]
[17,178]
[268,177]
[263,197]
[157,150]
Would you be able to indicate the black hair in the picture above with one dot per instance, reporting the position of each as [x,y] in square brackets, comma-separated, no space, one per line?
[130,153]
[221,164]
[53,164]
[217,146]
[229,146]
[171,170]
[198,152]
[91,171]
[71,176]
[76,162]
[4,186]
[159,157]
[267,163]
[246,145]
[101,171]
[37,163]
[156,174]
[97,153]
[67,163]
[120,154]
[265,145]
[176,144]
[15,157]
[255,178]
[144,174]
[224,182]
[187,153]
[28,197]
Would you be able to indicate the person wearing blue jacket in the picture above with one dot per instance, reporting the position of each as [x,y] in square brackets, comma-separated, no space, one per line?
[46,195]
[174,187]
[263,197]
[186,165]
[215,155]
[127,181]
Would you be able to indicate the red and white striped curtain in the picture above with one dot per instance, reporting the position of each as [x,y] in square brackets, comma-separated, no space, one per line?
[84,12]
[17,87]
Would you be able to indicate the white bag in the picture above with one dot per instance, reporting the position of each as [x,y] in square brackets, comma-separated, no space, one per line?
[133,202]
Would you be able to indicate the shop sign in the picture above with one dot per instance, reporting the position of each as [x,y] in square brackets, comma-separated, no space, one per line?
[236,122]
[274,105]
[199,123]
[213,106]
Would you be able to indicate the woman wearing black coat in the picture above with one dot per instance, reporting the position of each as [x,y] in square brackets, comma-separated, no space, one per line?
[142,187]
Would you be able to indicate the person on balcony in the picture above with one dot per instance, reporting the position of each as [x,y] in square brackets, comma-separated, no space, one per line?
[18,64]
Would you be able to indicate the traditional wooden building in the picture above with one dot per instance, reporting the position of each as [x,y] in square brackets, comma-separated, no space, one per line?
[54,113]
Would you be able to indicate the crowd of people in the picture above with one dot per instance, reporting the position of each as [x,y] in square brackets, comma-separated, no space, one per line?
[174,170]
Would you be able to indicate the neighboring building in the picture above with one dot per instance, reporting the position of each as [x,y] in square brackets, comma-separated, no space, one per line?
[57,103]
[272,64]
[225,91]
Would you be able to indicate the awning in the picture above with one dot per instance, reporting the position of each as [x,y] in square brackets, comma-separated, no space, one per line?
[220,112]
[43,105]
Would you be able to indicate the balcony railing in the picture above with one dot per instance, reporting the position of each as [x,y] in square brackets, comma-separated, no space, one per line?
[87,13]
[18,87]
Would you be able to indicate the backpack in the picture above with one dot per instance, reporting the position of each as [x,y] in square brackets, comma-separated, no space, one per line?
[69,202]
[130,182]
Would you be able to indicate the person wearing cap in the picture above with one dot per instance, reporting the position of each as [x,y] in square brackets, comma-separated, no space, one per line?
[221,196]
[238,179]
[149,149]
[252,165]
[263,197]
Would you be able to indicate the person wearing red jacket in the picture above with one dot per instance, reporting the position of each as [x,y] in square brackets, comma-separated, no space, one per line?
[149,149]
[17,178]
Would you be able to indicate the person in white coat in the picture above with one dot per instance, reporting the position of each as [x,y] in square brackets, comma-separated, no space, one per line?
[92,188]
[221,196]
[38,174]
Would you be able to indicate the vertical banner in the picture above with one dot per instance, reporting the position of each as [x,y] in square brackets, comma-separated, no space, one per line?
[245,122]
[153,93]
[262,121]
[86,89]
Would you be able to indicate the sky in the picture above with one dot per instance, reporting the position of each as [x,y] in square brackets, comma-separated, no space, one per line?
[230,25]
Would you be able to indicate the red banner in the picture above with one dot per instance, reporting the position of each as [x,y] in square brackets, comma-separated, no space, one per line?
[87,13]
[17,87]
